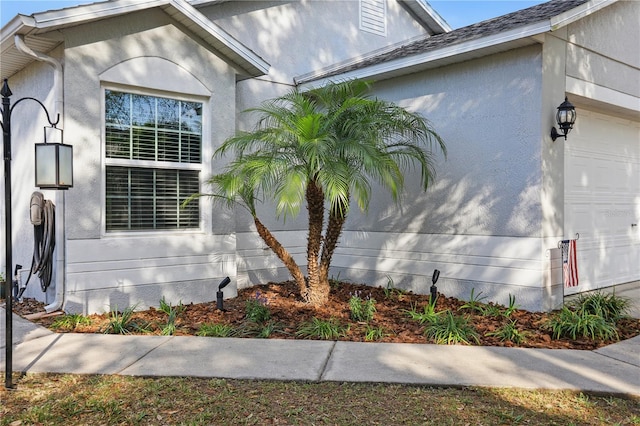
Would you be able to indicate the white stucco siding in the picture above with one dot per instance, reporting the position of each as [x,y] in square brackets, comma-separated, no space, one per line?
[141,270]
[487,112]
[603,49]
[27,123]
[481,223]
[142,52]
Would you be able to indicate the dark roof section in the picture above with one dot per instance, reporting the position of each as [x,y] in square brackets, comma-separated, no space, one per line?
[486,28]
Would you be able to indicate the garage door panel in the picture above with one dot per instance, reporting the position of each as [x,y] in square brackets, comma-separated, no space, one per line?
[602,199]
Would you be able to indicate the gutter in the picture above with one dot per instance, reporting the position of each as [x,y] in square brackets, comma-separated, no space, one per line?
[60,269]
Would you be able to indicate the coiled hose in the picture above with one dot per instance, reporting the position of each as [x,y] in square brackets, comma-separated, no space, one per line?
[43,217]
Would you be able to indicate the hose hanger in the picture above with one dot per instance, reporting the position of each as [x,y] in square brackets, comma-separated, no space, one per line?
[42,214]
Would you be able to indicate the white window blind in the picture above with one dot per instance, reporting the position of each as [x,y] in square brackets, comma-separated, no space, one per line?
[152,152]
[373,16]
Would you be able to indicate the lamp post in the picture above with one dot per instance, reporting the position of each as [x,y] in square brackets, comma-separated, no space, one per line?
[54,170]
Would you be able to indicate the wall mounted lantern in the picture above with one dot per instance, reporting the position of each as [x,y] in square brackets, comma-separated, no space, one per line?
[565,117]
[54,163]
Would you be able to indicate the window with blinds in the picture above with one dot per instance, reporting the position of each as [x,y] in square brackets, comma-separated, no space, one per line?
[153,154]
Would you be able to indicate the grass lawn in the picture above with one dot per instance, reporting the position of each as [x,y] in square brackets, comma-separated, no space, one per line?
[65,399]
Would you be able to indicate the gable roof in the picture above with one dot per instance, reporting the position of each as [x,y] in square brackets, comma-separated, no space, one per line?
[38,31]
[495,35]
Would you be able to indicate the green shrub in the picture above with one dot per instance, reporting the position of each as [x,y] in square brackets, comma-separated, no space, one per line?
[123,322]
[451,329]
[321,329]
[70,322]
[428,315]
[509,332]
[581,323]
[215,330]
[256,309]
[475,302]
[609,306]
[362,309]
[374,333]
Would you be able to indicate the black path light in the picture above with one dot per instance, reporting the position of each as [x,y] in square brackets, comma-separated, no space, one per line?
[565,117]
[54,162]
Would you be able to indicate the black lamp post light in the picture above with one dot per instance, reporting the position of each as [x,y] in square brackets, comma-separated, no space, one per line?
[54,170]
[565,117]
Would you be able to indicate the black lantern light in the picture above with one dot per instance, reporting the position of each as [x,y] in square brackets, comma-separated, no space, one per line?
[54,162]
[565,117]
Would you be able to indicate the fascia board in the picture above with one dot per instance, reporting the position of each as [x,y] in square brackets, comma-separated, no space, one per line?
[203,22]
[95,11]
[460,49]
[578,13]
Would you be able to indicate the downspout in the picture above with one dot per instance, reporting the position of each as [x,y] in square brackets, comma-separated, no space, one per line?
[58,75]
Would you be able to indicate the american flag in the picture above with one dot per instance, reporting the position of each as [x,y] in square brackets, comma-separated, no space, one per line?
[570,265]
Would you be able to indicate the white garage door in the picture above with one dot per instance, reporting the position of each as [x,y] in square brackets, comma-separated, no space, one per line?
[602,199]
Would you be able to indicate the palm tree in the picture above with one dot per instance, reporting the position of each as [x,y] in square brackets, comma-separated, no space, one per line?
[323,148]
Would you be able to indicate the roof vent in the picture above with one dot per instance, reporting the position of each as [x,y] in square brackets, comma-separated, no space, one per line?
[373,16]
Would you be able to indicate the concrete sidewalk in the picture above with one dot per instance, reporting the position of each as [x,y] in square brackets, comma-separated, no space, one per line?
[614,369]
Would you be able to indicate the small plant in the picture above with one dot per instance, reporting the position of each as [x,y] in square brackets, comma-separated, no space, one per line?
[509,332]
[492,310]
[215,330]
[257,310]
[429,314]
[167,308]
[451,329]
[609,306]
[361,309]
[70,322]
[475,302]
[321,329]
[581,323]
[335,282]
[372,334]
[512,306]
[173,312]
[261,330]
[123,322]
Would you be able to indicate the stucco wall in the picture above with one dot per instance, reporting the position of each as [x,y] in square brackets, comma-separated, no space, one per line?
[141,51]
[28,120]
[481,223]
[603,48]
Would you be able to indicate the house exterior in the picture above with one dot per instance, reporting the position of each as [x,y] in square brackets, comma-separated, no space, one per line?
[147,91]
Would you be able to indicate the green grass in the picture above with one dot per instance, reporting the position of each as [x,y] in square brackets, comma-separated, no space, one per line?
[362,309]
[57,400]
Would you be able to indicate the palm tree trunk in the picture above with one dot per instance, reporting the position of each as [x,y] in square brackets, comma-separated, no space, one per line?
[317,291]
[282,253]
[334,230]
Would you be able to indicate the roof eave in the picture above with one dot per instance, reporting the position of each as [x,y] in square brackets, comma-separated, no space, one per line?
[241,57]
[427,16]
[447,55]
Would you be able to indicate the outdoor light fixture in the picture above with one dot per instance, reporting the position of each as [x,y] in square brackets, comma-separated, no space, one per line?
[54,163]
[565,117]
[219,294]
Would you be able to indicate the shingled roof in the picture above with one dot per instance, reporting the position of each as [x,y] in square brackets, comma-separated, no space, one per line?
[511,21]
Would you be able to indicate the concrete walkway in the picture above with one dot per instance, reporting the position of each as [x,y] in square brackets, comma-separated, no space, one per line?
[614,369]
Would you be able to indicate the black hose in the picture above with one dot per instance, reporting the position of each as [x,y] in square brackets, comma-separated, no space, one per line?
[44,242]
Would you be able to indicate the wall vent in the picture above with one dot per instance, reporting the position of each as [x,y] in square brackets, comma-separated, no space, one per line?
[373,16]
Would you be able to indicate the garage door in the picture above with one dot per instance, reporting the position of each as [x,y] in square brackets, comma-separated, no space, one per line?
[602,199]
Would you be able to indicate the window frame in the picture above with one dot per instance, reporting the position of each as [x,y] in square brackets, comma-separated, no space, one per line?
[205,216]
